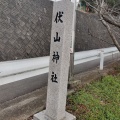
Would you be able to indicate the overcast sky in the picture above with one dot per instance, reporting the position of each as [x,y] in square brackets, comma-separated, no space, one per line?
[71,0]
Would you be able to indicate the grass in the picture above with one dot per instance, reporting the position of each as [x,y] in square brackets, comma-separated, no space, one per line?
[99,100]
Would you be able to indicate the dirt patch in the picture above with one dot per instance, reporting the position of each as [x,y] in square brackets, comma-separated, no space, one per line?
[87,77]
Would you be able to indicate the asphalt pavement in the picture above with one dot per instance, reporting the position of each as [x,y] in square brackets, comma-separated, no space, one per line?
[16,89]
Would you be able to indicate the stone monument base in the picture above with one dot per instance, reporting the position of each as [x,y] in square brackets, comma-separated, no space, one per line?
[41,116]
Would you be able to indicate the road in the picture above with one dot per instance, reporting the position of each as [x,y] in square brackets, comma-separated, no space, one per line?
[16,89]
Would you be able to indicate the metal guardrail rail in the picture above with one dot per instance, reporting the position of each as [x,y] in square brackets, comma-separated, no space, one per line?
[16,70]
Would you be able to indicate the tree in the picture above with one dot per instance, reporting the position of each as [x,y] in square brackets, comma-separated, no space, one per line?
[109,14]
[112,2]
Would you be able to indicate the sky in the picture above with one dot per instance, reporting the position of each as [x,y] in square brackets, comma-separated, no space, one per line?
[71,0]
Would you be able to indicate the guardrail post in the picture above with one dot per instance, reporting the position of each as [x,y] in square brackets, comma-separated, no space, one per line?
[101,60]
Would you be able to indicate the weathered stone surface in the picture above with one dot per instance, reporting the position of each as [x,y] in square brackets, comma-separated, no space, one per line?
[59,63]
[25,27]
[90,33]
[42,116]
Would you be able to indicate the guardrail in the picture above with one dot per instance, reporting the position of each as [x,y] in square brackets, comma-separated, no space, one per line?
[16,70]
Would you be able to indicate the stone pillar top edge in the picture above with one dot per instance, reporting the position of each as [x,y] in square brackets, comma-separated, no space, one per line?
[63,0]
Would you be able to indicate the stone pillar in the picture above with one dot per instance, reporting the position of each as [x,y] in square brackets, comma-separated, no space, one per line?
[59,63]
